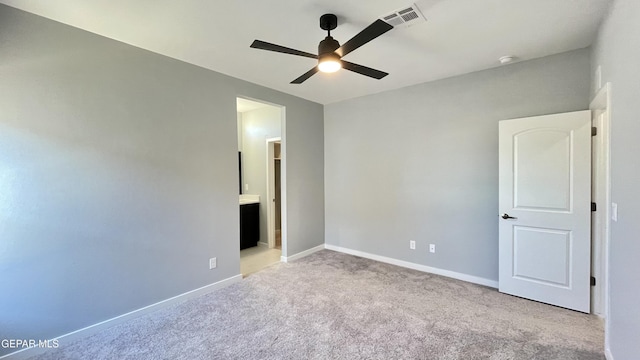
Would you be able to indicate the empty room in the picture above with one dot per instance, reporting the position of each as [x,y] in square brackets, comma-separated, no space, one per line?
[319,179]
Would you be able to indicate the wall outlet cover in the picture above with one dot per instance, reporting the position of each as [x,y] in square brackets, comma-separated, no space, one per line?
[213,263]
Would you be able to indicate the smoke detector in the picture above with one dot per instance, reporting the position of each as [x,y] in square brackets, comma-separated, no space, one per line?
[405,17]
[507,59]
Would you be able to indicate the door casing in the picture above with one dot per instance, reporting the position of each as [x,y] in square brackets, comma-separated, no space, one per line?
[601,173]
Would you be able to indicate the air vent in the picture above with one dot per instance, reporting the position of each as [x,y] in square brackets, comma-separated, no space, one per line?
[405,17]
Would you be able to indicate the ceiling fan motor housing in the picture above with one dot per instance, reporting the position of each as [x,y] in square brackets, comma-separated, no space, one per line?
[328,45]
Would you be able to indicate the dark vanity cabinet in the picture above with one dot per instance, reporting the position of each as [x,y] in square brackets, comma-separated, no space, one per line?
[249,225]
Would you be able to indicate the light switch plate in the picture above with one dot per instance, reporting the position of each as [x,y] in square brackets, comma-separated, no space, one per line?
[614,211]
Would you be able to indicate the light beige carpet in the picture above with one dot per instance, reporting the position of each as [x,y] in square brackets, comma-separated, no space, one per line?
[335,306]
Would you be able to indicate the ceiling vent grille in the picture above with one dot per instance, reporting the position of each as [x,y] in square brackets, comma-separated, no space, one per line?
[405,17]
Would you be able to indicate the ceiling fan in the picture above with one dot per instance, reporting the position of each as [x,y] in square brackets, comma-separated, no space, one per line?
[330,53]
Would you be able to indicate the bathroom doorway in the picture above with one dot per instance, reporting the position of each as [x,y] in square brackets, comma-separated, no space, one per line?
[261,151]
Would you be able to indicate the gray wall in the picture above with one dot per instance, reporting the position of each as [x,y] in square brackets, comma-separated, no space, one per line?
[118,176]
[303,167]
[258,126]
[421,163]
[617,51]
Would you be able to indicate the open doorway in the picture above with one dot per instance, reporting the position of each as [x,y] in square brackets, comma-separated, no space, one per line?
[259,130]
[274,210]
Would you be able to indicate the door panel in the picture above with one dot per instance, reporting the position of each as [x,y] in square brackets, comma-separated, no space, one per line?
[547,149]
[545,188]
[532,244]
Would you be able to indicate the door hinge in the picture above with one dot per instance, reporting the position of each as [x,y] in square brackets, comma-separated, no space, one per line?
[593,281]
[594,131]
[593,206]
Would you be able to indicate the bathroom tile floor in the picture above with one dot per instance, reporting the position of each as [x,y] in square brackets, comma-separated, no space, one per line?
[257,258]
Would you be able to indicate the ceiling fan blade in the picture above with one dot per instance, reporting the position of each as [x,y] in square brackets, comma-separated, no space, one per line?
[371,32]
[305,76]
[363,70]
[258,44]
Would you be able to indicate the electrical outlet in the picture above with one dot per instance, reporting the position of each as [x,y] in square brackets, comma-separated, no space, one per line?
[432,248]
[213,263]
[412,245]
[246,187]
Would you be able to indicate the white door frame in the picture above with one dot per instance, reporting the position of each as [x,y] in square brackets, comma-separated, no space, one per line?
[601,116]
[271,219]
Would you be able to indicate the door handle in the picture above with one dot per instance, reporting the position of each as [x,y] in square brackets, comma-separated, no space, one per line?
[506,216]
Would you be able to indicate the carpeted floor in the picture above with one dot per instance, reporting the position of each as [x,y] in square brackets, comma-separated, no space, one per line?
[335,306]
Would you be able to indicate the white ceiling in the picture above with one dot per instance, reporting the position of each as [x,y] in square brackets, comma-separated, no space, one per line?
[460,36]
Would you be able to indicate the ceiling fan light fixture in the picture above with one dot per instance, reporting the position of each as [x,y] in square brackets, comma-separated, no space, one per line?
[329,63]
[330,53]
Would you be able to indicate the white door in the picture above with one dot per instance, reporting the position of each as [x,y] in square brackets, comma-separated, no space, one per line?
[545,208]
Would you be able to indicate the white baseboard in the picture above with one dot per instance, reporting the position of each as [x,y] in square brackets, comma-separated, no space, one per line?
[414,266]
[607,354]
[92,329]
[302,254]
[263,244]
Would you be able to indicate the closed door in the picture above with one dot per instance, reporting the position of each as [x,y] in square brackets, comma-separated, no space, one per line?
[545,208]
